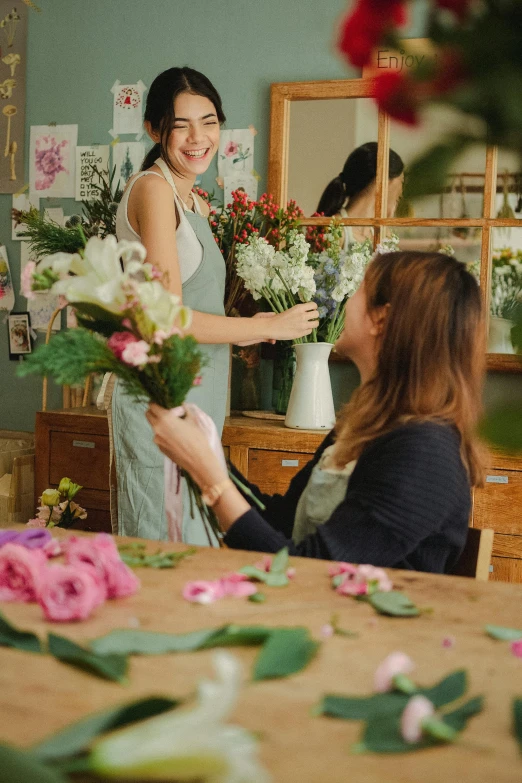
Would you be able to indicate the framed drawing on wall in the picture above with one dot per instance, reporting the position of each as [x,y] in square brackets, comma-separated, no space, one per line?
[19,330]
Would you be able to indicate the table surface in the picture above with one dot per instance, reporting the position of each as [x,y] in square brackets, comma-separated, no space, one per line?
[39,695]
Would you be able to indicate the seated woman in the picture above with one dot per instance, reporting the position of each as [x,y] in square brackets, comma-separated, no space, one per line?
[390,485]
[352,193]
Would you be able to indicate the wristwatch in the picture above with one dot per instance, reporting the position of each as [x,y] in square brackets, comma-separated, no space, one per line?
[211,495]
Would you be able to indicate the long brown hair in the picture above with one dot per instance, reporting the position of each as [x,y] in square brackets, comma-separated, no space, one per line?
[431,358]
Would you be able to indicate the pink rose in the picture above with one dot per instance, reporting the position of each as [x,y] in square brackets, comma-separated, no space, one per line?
[416,711]
[52,548]
[369,573]
[70,593]
[396,663]
[21,572]
[342,568]
[237,585]
[118,341]
[516,648]
[203,592]
[101,556]
[352,588]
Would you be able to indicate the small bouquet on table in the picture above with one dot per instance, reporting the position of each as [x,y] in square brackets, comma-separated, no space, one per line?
[129,325]
[57,507]
[290,274]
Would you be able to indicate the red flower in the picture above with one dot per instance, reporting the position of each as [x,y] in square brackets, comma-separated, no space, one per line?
[395,93]
[364,28]
[450,71]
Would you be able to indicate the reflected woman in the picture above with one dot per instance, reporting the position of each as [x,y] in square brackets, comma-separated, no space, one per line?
[352,193]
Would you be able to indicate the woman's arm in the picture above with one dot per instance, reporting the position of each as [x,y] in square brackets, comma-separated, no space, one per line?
[401,492]
[152,214]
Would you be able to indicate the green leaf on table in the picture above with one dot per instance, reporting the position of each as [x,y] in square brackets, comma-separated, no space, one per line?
[135,642]
[19,766]
[257,598]
[135,555]
[504,634]
[280,562]
[270,578]
[517,721]
[444,692]
[239,635]
[20,640]
[382,733]
[393,603]
[110,667]
[287,651]
[77,737]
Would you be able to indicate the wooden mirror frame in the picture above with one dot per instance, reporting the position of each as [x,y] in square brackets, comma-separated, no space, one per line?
[281,96]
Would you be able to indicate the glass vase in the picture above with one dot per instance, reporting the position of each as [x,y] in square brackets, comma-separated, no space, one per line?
[284,372]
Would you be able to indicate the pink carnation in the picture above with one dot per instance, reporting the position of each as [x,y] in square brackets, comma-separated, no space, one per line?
[118,341]
[359,580]
[203,592]
[70,593]
[21,572]
[136,354]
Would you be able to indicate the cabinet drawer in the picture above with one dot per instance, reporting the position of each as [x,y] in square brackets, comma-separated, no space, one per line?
[498,504]
[506,569]
[272,471]
[84,458]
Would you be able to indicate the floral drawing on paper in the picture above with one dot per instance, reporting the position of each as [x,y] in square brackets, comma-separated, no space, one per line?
[235,153]
[49,159]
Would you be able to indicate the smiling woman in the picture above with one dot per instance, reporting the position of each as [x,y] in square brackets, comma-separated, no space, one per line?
[159,208]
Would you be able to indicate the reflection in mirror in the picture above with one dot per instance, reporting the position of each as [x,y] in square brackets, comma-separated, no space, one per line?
[322,135]
[508,203]
[463,194]
[442,239]
[506,287]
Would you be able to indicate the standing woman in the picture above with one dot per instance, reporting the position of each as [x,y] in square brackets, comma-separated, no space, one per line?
[352,192]
[182,117]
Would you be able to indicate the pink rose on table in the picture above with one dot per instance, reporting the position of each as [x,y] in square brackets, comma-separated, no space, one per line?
[21,572]
[238,585]
[70,593]
[231,149]
[203,592]
[101,556]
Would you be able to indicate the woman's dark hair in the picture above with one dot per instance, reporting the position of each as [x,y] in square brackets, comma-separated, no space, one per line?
[159,109]
[358,172]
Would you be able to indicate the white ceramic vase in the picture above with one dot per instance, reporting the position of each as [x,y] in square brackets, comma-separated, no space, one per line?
[311,404]
[499,339]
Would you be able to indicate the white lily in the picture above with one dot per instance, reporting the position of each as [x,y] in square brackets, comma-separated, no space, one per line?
[161,307]
[186,745]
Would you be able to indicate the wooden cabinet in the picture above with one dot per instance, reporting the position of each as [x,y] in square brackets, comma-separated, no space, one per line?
[75,443]
[498,505]
[268,453]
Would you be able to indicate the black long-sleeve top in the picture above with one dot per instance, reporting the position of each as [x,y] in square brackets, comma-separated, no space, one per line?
[407,505]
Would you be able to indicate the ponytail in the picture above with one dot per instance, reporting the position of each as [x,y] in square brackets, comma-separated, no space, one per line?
[151,157]
[333,198]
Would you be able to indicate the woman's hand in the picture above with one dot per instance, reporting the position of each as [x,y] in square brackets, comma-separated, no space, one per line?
[265,339]
[296,322]
[182,440]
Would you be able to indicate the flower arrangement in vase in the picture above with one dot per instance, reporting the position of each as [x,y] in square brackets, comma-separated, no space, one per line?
[57,507]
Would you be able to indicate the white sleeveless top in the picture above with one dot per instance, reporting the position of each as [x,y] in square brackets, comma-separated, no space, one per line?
[190,251]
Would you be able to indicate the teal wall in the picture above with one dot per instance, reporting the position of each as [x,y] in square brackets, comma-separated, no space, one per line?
[78,48]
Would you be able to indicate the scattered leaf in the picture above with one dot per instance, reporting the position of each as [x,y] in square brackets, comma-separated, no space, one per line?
[136,642]
[21,640]
[517,721]
[393,603]
[19,766]
[504,634]
[135,555]
[280,562]
[111,667]
[287,650]
[270,578]
[77,737]
[257,598]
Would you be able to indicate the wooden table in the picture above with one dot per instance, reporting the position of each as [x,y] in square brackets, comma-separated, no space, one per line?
[38,695]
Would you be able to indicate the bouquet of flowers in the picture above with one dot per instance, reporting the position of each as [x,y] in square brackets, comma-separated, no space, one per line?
[236,223]
[338,274]
[506,282]
[57,506]
[129,324]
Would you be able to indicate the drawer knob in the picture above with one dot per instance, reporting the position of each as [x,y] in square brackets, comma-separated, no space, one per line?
[84,444]
[497,479]
[290,463]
